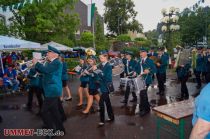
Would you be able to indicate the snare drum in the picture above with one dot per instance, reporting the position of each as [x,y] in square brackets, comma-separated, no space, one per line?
[139,83]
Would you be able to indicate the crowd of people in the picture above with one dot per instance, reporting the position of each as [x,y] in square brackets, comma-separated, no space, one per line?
[49,81]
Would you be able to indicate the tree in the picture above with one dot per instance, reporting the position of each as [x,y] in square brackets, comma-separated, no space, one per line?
[3,28]
[152,35]
[99,33]
[45,20]
[120,16]
[124,38]
[86,39]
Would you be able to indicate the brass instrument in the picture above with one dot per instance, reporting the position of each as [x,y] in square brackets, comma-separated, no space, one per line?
[155,59]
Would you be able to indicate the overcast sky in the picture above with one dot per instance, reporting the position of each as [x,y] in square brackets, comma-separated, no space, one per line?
[149,11]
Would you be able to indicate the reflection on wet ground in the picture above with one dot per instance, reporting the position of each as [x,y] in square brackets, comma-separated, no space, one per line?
[127,124]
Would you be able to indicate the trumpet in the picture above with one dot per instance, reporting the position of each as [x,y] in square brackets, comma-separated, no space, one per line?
[29,64]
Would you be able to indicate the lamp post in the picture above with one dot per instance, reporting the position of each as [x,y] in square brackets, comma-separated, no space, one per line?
[169,22]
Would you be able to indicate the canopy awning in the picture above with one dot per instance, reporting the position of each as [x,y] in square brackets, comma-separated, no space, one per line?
[10,43]
[58,46]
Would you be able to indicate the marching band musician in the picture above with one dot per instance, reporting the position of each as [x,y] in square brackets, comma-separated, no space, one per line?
[199,66]
[84,82]
[105,77]
[145,68]
[65,81]
[35,87]
[129,71]
[152,52]
[122,56]
[207,58]
[183,75]
[93,85]
[52,85]
[161,66]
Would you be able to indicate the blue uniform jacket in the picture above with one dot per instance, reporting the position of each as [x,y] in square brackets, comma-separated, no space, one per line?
[130,67]
[33,81]
[207,63]
[148,64]
[93,81]
[65,76]
[163,64]
[199,63]
[51,81]
[105,77]
[182,72]
[152,54]
[83,78]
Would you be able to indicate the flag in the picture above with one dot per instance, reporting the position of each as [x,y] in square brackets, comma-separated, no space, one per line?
[90,14]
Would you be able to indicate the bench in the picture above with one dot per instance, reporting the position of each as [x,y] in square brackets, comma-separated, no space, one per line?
[173,115]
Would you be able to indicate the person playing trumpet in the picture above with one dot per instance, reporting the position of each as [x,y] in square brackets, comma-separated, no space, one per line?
[84,79]
[52,85]
[93,84]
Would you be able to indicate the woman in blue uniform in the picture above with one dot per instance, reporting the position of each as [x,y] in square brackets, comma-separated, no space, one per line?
[65,81]
[93,84]
[84,79]
[105,77]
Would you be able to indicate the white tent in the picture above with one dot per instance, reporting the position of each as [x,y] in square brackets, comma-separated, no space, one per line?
[10,43]
[58,46]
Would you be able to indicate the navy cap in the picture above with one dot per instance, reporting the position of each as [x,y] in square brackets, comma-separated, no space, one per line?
[53,49]
[92,57]
[128,53]
[143,49]
[103,52]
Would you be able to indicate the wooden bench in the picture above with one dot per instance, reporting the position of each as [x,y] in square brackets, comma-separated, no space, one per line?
[173,115]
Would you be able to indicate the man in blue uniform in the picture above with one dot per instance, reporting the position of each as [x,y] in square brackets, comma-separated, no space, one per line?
[152,52]
[145,68]
[208,64]
[105,77]
[161,66]
[129,71]
[201,115]
[52,85]
[199,67]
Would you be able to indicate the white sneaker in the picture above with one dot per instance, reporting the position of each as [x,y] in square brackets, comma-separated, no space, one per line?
[101,124]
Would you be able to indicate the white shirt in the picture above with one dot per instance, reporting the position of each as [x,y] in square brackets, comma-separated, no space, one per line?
[142,71]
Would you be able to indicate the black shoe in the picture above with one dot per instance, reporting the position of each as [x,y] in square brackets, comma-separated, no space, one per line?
[144,112]
[68,99]
[133,100]
[79,107]
[124,101]
[100,124]
[110,120]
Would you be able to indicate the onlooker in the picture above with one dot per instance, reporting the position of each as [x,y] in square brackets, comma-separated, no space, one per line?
[201,115]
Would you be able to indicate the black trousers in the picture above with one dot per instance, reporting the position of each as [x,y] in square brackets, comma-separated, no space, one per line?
[51,114]
[207,77]
[104,98]
[39,93]
[127,93]
[144,102]
[122,75]
[164,77]
[184,90]
[198,77]
[61,110]
[160,78]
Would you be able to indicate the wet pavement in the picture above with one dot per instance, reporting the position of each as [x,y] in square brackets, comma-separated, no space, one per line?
[127,124]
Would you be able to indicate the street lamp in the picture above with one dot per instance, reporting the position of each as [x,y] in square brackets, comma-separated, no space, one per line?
[169,22]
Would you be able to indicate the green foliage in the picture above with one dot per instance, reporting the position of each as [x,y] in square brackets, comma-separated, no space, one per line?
[193,25]
[152,35]
[99,33]
[145,43]
[71,62]
[27,53]
[44,21]
[134,49]
[124,38]
[86,39]
[3,28]
[140,39]
[120,16]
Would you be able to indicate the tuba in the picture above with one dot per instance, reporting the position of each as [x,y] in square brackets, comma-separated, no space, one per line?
[90,52]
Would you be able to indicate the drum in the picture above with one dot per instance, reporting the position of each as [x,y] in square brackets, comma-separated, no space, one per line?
[123,83]
[117,66]
[139,84]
